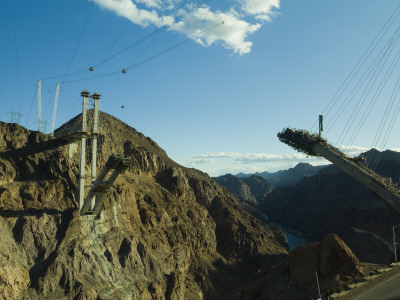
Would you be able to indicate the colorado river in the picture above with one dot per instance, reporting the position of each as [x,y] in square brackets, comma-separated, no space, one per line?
[295,238]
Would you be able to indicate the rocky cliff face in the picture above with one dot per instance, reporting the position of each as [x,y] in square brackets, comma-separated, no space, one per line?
[331,257]
[252,189]
[166,232]
[332,201]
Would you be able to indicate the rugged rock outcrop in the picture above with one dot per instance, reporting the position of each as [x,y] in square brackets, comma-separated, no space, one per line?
[252,189]
[166,232]
[331,257]
[336,258]
[303,262]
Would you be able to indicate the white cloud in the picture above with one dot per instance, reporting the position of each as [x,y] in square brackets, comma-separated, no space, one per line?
[232,33]
[129,10]
[353,148]
[218,155]
[151,3]
[202,160]
[256,157]
[204,24]
[219,163]
[263,10]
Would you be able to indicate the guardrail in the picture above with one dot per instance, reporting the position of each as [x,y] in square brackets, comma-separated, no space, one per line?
[356,289]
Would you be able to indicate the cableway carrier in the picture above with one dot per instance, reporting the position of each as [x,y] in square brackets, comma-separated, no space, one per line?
[315,145]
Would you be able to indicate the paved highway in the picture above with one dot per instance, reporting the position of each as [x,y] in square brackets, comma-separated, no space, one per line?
[387,290]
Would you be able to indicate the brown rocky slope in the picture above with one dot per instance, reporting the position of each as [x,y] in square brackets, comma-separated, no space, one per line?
[166,232]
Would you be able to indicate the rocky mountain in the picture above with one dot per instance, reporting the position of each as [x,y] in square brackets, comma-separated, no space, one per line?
[252,189]
[333,202]
[287,177]
[165,232]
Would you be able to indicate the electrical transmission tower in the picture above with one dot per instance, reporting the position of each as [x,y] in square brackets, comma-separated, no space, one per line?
[15,116]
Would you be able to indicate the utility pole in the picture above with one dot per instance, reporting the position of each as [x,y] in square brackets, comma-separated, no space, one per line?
[395,244]
[82,161]
[53,123]
[319,291]
[321,126]
[96,99]
[40,104]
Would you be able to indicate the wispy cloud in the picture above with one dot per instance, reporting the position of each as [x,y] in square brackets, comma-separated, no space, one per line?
[255,157]
[353,148]
[232,33]
[202,160]
[218,163]
[130,11]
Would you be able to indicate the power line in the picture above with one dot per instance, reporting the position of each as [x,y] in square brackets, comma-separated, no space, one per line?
[369,72]
[33,100]
[140,54]
[391,125]
[134,44]
[174,19]
[383,123]
[77,45]
[64,75]
[175,46]
[115,40]
[75,51]
[376,95]
[373,73]
[163,51]
[328,108]
[386,113]
[16,51]
[373,76]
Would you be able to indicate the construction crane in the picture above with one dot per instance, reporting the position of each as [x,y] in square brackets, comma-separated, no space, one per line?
[315,145]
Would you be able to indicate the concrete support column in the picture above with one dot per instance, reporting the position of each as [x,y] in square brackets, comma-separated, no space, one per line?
[82,164]
[96,99]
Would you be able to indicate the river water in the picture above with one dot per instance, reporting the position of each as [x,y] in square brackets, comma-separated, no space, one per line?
[295,238]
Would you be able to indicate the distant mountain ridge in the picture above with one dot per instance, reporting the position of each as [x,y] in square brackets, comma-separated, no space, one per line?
[287,177]
[332,201]
[251,189]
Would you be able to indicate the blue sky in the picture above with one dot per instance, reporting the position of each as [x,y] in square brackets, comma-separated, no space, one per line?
[246,70]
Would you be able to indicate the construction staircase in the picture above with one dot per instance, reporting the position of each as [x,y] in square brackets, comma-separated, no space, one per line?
[100,187]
